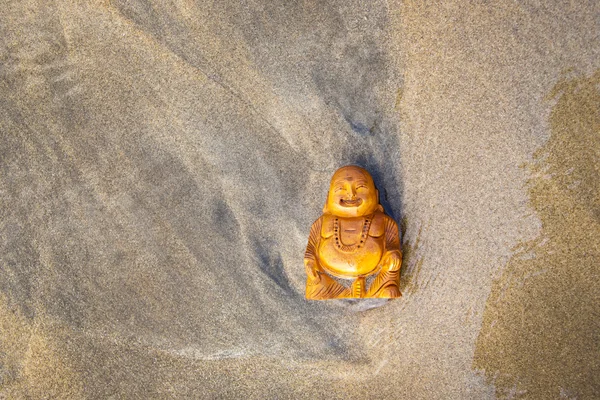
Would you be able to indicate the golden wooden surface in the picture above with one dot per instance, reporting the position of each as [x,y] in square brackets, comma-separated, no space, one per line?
[353,243]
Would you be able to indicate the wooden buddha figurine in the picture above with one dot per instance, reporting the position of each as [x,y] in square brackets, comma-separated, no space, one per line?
[353,240]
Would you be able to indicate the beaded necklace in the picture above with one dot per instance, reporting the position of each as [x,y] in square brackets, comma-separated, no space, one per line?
[363,235]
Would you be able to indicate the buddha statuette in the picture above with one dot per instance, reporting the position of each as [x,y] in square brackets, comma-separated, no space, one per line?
[353,241]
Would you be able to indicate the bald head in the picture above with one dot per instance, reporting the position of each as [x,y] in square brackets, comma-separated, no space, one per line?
[352,193]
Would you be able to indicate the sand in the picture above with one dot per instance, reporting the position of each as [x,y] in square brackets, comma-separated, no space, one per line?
[161,164]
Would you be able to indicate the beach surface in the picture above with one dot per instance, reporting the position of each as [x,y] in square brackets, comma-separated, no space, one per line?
[161,164]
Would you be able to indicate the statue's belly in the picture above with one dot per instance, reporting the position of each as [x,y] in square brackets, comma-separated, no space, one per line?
[362,261]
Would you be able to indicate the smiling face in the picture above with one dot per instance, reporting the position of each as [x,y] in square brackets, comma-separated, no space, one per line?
[351,193]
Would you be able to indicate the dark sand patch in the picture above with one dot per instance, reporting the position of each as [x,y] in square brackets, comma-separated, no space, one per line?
[541,327]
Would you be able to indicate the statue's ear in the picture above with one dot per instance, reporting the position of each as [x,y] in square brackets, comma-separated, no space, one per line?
[379,206]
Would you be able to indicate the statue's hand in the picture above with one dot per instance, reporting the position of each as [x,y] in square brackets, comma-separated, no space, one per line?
[311,269]
[391,260]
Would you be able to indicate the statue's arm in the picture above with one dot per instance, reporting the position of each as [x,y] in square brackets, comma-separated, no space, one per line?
[311,260]
[392,255]
[392,239]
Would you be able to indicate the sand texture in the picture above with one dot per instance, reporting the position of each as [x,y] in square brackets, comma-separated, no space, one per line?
[161,163]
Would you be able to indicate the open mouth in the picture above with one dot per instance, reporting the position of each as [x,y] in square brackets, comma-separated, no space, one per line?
[350,203]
